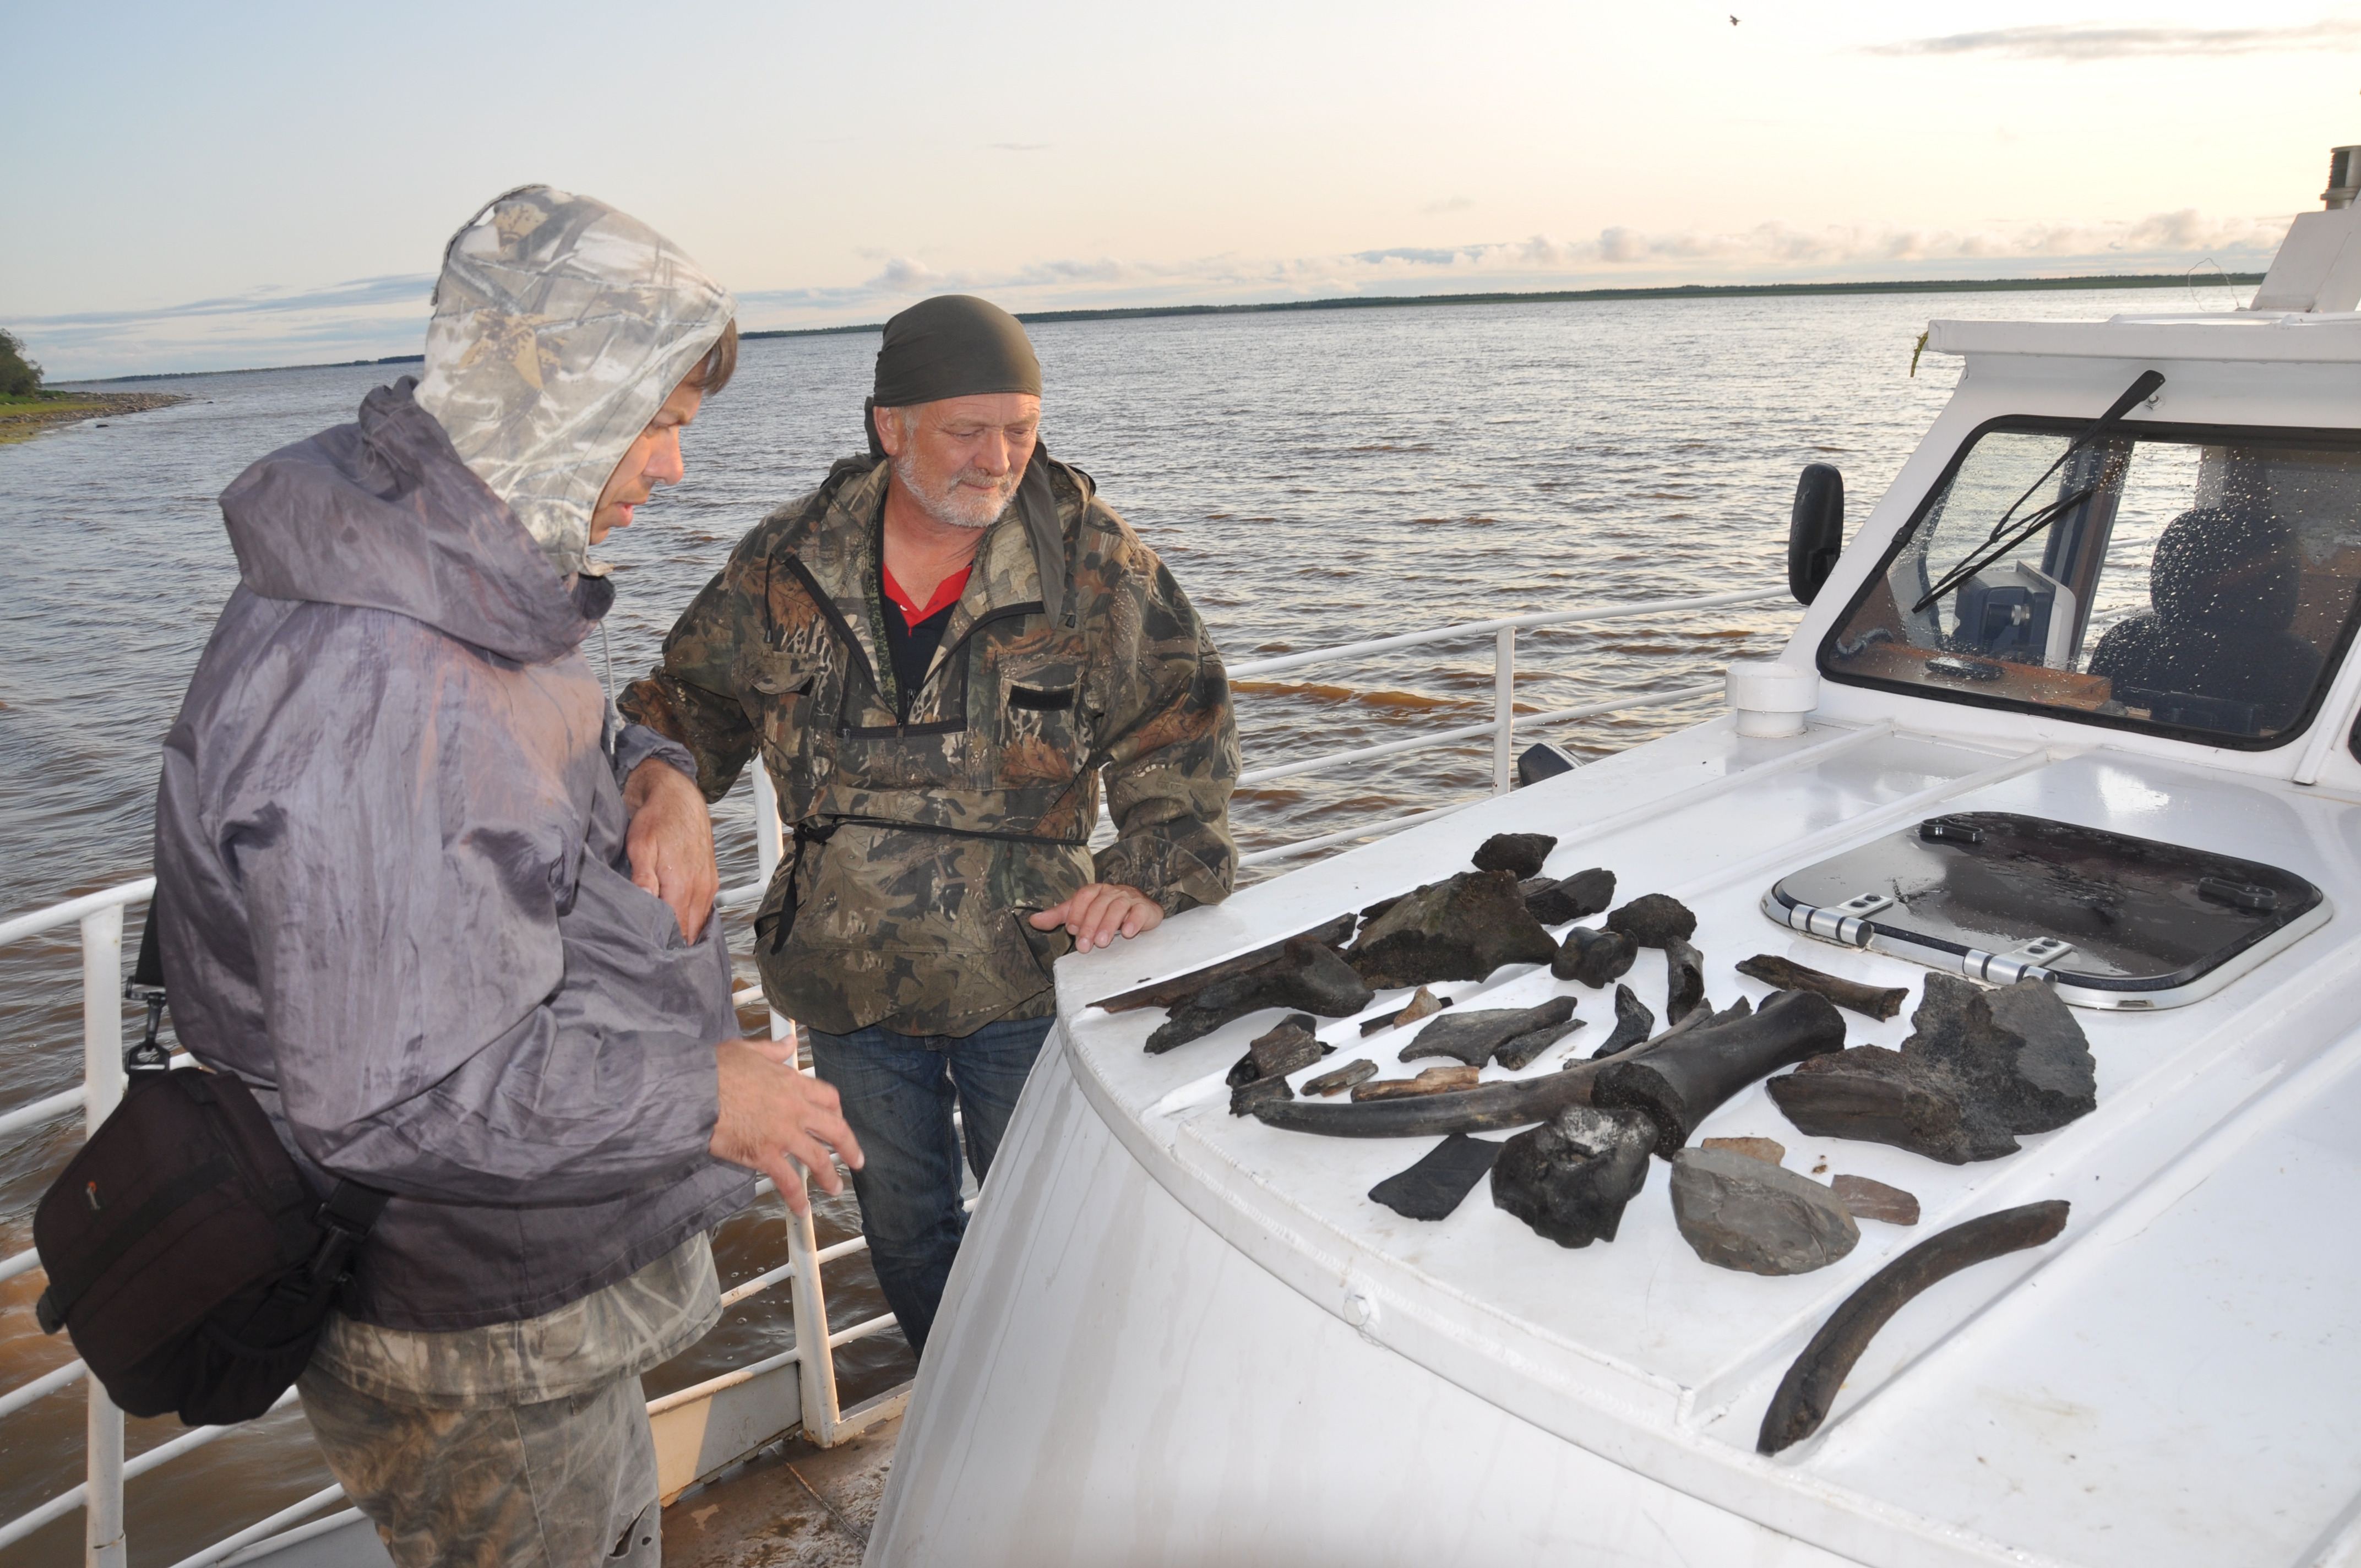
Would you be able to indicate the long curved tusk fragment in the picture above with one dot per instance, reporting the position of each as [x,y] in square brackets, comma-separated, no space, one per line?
[1811,1384]
[1516,1103]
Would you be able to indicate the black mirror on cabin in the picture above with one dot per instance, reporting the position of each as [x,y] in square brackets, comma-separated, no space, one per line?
[1815,530]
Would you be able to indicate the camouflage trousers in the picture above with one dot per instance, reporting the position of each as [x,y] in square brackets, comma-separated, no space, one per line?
[558,1485]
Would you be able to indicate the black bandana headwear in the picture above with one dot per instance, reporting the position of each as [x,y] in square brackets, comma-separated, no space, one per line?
[953,346]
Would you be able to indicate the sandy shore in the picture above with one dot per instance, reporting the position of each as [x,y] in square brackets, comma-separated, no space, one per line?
[19,420]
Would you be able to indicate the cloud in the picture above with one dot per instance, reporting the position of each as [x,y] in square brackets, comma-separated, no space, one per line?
[2104,41]
[371,318]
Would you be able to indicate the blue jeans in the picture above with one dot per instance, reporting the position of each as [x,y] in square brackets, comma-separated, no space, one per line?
[898,1091]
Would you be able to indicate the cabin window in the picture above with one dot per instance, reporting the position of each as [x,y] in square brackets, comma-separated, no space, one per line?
[2199,583]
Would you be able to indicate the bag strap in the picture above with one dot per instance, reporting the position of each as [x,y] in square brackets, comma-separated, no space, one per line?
[147,985]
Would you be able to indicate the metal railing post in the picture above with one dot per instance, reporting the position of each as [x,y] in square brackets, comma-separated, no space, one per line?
[101,1069]
[816,1372]
[1504,706]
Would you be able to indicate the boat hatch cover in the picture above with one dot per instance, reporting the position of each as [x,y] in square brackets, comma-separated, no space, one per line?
[2112,921]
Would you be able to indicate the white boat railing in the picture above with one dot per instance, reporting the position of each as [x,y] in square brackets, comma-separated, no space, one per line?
[695,1436]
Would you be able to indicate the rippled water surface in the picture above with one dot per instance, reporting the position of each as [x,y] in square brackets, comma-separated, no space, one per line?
[1312,478]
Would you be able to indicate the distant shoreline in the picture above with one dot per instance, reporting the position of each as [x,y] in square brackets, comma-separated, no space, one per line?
[1395,301]
[22,420]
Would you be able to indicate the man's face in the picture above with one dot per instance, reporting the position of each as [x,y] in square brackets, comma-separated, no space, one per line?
[962,459]
[653,459]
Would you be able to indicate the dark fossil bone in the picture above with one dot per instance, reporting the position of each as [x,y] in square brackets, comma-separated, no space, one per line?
[1681,1081]
[1165,992]
[1433,1187]
[1342,1079]
[1425,1004]
[1632,1021]
[1519,852]
[1489,1106]
[1260,1092]
[1306,975]
[1652,918]
[1473,1035]
[1683,978]
[1869,1001]
[1737,1212]
[1462,927]
[1289,1045]
[1576,897]
[1519,1053]
[1811,1384]
[1594,958]
[1979,1068]
[1570,1178]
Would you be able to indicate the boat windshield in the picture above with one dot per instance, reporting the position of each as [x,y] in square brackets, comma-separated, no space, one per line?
[2196,582]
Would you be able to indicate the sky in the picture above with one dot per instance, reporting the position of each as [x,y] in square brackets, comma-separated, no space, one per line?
[194,188]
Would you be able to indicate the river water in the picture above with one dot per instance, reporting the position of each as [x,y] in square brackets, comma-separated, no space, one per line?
[1312,478]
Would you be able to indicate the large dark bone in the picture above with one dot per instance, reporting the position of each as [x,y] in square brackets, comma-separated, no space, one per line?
[1683,978]
[1484,1108]
[1290,1045]
[1870,1001]
[1570,1180]
[1683,1081]
[1632,1021]
[1811,1384]
[1979,1066]
[1472,1037]
[1433,1187]
[1462,927]
[1594,958]
[1519,852]
[1652,918]
[1576,897]
[1737,1212]
[1165,992]
[1305,976]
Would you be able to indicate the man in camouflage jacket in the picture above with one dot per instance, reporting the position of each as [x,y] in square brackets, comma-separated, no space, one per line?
[940,857]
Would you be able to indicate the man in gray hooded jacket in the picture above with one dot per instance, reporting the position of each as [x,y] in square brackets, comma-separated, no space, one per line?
[397,896]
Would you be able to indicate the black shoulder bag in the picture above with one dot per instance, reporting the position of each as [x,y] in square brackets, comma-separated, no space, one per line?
[188,1256]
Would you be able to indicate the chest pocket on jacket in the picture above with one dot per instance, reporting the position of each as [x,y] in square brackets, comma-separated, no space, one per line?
[1041,736]
[779,686]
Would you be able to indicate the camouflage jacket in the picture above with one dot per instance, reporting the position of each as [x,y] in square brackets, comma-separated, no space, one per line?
[921,846]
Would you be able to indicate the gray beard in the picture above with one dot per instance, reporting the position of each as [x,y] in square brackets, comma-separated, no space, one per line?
[941,507]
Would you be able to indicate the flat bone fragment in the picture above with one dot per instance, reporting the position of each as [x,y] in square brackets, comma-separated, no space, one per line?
[1519,852]
[1652,919]
[1525,1048]
[1342,1079]
[1571,1178]
[1261,1092]
[1810,1387]
[1433,1187]
[1165,992]
[1462,927]
[1979,1066]
[1594,958]
[1411,1015]
[1736,1211]
[1632,1023]
[1577,897]
[1683,978]
[1519,1102]
[1880,1096]
[1867,1200]
[1770,1151]
[1879,1002]
[1471,1035]
[1280,1052]
[1433,1081]
[1682,1081]
[1305,976]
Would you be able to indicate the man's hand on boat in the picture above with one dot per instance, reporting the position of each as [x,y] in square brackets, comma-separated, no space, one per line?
[1100,912]
[671,842]
[775,1119]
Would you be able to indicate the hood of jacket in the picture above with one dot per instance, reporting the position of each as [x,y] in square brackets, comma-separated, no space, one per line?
[381,514]
[560,326]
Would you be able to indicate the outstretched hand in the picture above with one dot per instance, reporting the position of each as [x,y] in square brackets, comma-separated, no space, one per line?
[1100,911]
[774,1115]
[670,842]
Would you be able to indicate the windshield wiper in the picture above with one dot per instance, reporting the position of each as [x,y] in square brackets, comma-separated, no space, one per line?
[1995,546]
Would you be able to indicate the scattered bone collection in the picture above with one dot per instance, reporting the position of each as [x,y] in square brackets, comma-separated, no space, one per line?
[1980,1068]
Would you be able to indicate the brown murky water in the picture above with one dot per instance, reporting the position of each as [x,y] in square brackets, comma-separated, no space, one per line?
[1313,479]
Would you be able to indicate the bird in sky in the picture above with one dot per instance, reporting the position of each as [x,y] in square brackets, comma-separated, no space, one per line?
[1733,21]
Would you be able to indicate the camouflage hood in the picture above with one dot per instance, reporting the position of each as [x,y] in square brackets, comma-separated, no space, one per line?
[560,327]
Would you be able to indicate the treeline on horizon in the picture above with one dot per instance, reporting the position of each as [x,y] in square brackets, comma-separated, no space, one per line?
[1374,301]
